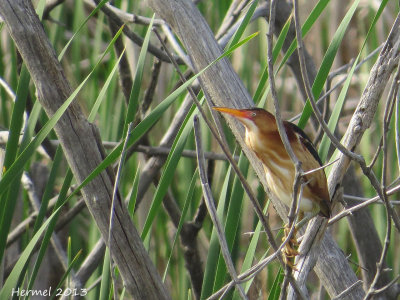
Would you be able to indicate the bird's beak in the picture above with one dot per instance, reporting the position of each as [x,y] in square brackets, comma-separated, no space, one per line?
[238,113]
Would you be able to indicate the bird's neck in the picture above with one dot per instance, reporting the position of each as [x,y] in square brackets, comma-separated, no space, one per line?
[266,144]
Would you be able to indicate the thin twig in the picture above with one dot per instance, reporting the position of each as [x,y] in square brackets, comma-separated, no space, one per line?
[133,36]
[231,16]
[176,46]
[124,70]
[389,214]
[349,211]
[50,5]
[212,210]
[247,275]
[288,268]
[112,210]
[386,287]
[148,150]
[397,131]
[363,199]
[128,18]
[149,93]
[279,122]
[260,12]
[376,155]
[7,88]
[320,168]
[282,132]
[164,151]
[347,291]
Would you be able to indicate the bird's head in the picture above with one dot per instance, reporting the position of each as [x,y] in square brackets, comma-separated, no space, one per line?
[256,120]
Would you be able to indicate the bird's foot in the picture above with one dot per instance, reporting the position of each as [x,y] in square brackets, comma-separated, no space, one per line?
[289,251]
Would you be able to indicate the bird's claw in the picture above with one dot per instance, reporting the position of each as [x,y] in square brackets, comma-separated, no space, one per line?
[289,251]
[290,263]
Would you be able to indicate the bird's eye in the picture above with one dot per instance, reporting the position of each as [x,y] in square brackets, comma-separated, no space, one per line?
[253,114]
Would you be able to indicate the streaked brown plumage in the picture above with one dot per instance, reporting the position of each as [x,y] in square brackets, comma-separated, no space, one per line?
[263,138]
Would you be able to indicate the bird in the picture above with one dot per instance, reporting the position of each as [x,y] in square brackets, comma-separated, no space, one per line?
[262,137]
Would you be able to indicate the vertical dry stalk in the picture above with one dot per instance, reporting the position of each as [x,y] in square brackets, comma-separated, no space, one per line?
[81,147]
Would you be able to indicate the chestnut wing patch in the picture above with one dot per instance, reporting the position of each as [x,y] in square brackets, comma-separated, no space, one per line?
[305,140]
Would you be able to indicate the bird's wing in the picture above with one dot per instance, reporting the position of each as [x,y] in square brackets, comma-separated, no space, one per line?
[305,140]
[308,155]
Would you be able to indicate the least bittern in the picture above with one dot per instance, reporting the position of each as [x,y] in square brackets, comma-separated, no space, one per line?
[263,138]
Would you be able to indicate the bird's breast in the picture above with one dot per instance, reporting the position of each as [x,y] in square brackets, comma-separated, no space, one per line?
[282,189]
[279,169]
[277,164]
